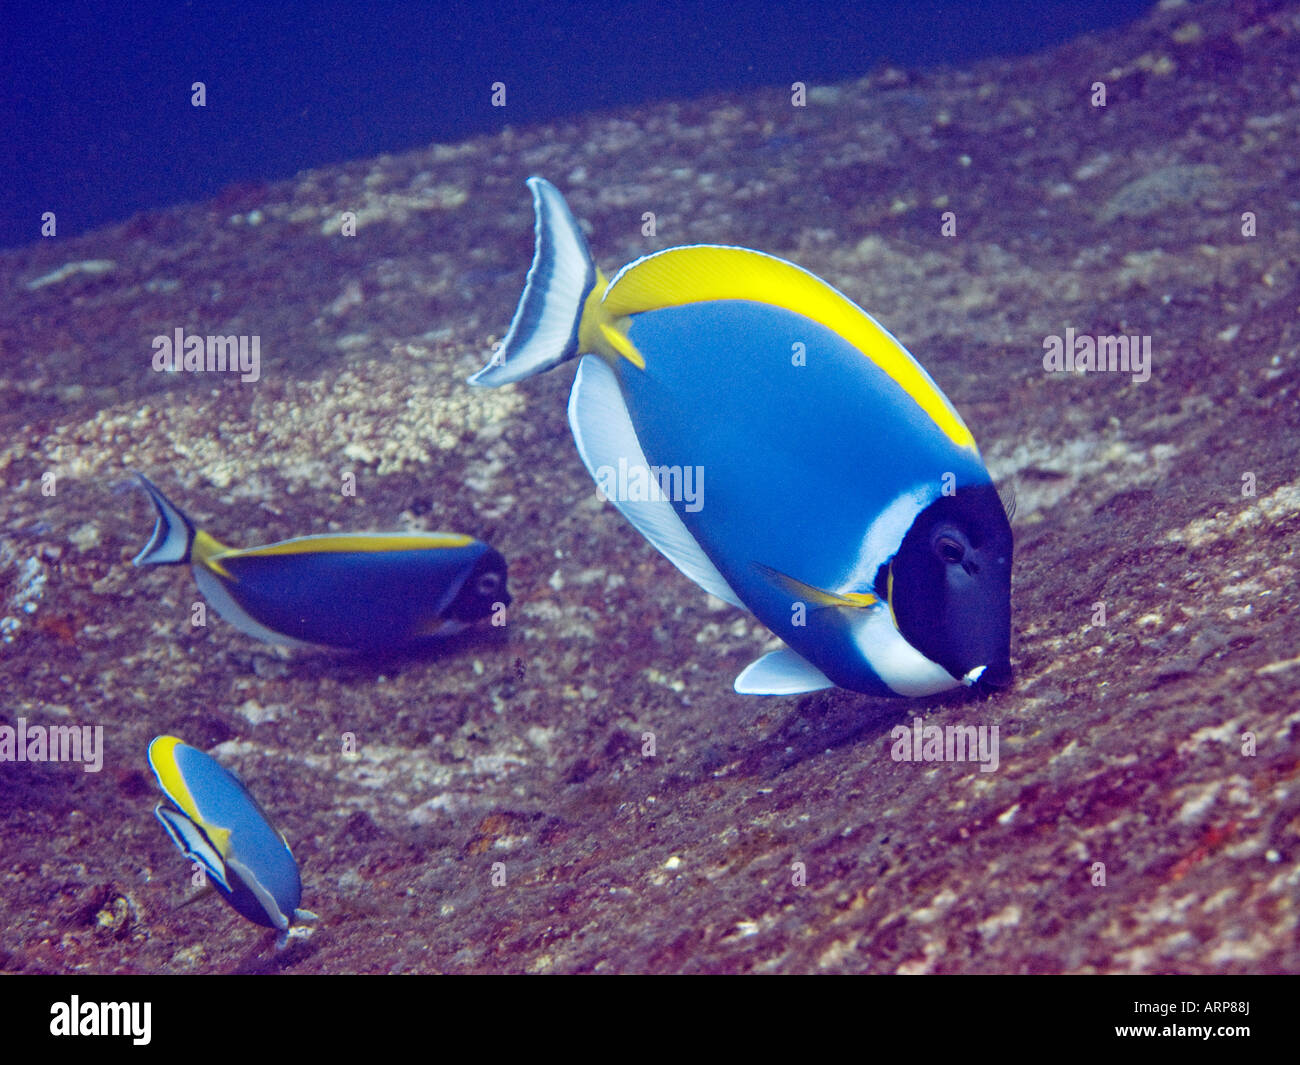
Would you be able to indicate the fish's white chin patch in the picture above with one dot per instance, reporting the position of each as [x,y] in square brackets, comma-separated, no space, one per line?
[897,662]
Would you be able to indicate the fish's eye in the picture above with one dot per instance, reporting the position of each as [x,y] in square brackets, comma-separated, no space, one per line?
[488,584]
[950,549]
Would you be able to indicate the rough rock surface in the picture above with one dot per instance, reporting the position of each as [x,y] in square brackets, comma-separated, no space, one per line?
[1175,502]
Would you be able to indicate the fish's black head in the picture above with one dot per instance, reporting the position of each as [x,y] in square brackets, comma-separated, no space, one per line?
[950,589]
[482,590]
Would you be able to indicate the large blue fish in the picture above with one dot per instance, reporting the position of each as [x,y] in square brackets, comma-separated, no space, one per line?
[217,823]
[352,591]
[846,504]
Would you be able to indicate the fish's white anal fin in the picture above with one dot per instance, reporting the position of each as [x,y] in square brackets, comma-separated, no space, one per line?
[223,603]
[781,672]
[544,330]
[604,434]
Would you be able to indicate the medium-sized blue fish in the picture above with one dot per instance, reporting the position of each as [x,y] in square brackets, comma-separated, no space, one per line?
[217,823]
[352,591]
[845,504]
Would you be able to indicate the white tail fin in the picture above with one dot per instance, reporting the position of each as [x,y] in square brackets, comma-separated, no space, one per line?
[544,330]
[173,533]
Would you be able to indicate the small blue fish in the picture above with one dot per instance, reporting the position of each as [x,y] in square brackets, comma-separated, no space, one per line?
[847,505]
[218,824]
[353,591]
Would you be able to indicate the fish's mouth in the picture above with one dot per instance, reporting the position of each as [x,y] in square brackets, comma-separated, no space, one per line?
[986,681]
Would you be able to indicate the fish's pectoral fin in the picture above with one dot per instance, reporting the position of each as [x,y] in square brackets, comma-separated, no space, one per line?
[443,627]
[814,596]
[1007,494]
[545,329]
[781,672]
[603,431]
[173,533]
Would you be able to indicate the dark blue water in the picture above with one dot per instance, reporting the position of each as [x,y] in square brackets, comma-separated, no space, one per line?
[95,97]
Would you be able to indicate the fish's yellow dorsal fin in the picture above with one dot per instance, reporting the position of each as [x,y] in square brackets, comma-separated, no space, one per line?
[162,759]
[356,543]
[707,272]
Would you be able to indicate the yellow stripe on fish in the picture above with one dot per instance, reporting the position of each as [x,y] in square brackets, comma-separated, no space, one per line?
[704,272]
